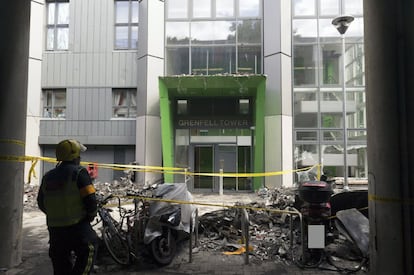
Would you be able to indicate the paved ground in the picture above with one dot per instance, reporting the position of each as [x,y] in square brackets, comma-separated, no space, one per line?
[35,260]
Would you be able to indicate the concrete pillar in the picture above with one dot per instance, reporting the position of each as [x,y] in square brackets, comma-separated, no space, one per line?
[14,52]
[150,67]
[277,59]
[389,45]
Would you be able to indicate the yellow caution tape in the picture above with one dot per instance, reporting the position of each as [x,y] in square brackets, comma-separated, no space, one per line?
[376,198]
[152,169]
[13,141]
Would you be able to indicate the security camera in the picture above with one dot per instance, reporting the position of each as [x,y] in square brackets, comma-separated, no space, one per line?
[342,22]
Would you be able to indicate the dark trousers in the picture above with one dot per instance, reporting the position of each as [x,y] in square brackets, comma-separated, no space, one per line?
[72,248]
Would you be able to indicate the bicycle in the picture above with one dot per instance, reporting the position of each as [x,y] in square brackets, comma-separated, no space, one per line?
[148,227]
[113,235]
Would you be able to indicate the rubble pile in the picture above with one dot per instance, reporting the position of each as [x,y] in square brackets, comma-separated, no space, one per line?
[30,196]
[269,233]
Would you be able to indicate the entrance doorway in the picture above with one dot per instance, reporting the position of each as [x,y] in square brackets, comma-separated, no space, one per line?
[213,157]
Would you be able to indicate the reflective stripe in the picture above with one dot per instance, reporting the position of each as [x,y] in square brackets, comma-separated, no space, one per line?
[90,259]
[87,190]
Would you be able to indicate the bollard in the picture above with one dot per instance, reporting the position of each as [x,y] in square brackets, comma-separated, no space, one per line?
[221,183]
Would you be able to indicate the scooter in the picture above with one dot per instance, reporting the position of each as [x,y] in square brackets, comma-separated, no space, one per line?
[159,223]
[316,211]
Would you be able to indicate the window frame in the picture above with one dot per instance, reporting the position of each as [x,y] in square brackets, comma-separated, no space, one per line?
[55,26]
[51,109]
[129,24]
[128,107]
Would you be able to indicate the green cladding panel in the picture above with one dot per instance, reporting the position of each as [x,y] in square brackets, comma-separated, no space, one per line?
[171,87]
[167,131]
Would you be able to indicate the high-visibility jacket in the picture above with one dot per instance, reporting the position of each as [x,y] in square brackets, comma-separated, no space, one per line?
[62,199]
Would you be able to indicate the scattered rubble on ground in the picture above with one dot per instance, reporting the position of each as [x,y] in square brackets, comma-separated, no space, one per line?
[220,230]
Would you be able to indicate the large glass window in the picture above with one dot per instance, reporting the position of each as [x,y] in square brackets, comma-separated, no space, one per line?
[304,30]
[177,9]
[213,60]
[57,35]
[54,103]
[126,24]
[124,103]
[329,7]
[304,65]
[201,8]
[249,8]
[324,76]
[220,36]
[224,8]
[304,7]
[331,61]
[213,32]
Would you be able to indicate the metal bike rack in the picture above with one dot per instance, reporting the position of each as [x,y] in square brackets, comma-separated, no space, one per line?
[190,256]
[245,232]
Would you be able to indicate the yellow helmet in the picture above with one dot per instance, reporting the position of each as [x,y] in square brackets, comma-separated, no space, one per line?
[69,149]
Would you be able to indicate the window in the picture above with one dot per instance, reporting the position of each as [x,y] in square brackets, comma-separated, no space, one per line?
[124,103]
[126,24]
[54,103]
[206,37]
[57,35]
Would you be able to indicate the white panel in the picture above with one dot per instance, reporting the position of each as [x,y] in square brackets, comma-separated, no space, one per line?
[244,141]
[316,236]
[63,70]
[143,28]
[34,112]
[272,65]
[326,107]
[89,69]
[36,30]
[50,70]
[155,32]
[142,86]
[89,27]
[140,146]
[108,26]
[75,21]
[84,35]
[271,26]
[87,96]
[155,69]
[82,70]
[273,150]
[96,24]
[45,62]
[122,69]
[115,69]
[287,149]
[70,70]
[286,85]
[286,27]
[76,69]
[210,139]
[109,69]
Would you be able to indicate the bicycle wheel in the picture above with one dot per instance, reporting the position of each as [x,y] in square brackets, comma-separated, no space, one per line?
[116,245]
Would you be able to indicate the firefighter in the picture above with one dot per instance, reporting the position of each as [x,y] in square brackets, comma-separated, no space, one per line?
[67,197]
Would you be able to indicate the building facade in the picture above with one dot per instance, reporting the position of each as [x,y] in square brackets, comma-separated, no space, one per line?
[240,85]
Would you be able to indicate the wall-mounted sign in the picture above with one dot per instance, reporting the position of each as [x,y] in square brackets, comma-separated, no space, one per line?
[213,123]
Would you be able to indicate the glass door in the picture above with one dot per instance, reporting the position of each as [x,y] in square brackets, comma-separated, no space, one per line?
[203,163]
